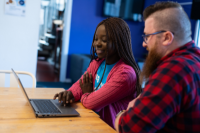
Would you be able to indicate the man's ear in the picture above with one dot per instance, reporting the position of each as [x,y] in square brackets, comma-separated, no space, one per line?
[168,38]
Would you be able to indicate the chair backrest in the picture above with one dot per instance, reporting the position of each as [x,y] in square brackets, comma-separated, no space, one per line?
[13,81]
[77,70]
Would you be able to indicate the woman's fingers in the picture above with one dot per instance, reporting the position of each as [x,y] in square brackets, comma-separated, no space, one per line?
[84,78]
[72,100]
[80,82]
[60,97]
[55,96]
[90,77]
[64,98]
[87,77]
[69,97]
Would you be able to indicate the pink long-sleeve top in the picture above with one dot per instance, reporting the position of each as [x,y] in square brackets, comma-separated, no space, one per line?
[114,96]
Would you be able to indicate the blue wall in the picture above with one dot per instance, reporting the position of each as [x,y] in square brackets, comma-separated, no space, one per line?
[86,14]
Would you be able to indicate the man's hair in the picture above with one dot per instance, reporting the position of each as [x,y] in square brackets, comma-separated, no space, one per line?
[170,16]
[118,33]
[158,6]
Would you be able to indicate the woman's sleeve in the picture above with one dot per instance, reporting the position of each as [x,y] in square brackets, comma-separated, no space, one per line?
[76,89]
[121,84]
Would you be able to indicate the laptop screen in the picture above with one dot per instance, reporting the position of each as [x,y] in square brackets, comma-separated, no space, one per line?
[22,88]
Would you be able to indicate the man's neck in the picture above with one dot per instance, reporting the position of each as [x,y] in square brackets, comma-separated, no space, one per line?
[175,45]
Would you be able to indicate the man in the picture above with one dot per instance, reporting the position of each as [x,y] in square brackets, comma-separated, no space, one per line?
[170,101]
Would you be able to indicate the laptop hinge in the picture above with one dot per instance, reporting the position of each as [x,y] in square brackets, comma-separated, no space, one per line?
[34,107]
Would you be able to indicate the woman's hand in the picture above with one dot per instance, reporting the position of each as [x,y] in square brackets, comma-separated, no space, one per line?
[65,96]
[86,84]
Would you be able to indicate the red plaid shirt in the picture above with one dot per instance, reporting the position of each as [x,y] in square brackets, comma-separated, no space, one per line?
[170,102]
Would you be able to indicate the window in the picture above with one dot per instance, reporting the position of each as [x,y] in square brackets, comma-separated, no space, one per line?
[197,33]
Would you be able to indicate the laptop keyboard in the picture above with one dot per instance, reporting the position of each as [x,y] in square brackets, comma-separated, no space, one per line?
[46,106]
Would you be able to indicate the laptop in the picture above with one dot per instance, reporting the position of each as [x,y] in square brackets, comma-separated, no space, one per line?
[47,107]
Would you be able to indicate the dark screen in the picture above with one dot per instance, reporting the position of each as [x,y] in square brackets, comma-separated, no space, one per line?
[125,9]
[195,12]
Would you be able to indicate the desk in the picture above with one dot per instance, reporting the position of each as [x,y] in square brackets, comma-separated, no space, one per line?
[16,114]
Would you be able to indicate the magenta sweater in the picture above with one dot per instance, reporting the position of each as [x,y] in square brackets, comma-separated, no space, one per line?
[117,92]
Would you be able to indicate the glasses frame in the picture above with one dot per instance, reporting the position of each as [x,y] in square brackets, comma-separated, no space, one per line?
[155,33]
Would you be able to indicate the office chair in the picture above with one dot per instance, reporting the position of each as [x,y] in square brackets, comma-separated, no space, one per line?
[13,81]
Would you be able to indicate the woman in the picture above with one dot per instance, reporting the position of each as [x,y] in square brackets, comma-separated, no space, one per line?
[111,80]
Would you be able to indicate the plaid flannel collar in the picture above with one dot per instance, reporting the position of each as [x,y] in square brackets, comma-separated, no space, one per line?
[177,51]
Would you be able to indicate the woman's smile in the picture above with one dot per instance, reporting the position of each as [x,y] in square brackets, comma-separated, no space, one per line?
[100,51]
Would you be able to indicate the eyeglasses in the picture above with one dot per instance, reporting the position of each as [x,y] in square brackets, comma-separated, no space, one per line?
[145,37]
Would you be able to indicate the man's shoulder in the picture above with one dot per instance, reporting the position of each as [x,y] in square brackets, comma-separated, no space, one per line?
[183,59]
[179,64]
[187,56]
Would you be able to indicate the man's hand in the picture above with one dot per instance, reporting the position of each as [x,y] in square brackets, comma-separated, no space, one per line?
[117,122]
[65,96]
[132,103]
[86,85]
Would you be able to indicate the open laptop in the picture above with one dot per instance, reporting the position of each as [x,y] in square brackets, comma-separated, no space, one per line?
[47,107]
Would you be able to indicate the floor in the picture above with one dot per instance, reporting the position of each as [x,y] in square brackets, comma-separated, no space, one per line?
[45,72]
[47,78]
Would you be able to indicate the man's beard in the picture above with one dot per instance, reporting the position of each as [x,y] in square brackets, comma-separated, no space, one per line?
[150,64]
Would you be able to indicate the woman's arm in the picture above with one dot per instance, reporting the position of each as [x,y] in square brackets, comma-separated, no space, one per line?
[75,88]
[120,85]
